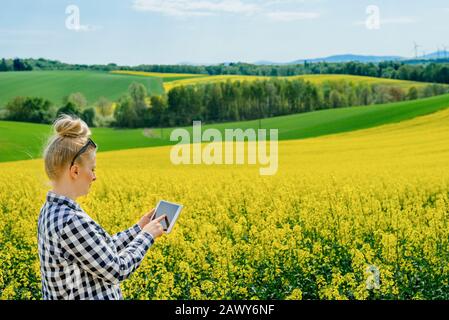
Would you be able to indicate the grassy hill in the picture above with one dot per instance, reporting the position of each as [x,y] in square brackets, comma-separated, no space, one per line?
[24,140]
[54,85]
[21,141]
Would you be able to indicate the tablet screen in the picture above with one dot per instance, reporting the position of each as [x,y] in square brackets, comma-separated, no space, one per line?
[171,210]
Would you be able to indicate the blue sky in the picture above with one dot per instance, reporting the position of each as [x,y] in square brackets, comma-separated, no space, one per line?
[133,32]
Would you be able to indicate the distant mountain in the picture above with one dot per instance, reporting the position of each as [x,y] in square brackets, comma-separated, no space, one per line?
[269,63]
[196,64]
[341,58]
[353,57]
[436,55]
[337,58]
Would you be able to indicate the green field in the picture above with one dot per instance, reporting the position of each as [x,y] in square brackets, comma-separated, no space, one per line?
[19,141]
[55,85]
[22,141]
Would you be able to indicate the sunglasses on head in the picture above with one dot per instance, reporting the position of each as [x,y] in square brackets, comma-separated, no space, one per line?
[83,149]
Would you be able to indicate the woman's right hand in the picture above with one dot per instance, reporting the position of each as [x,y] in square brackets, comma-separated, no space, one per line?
[155,227]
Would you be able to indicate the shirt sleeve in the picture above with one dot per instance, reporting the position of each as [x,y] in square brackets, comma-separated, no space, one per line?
[81,242]
[122,239]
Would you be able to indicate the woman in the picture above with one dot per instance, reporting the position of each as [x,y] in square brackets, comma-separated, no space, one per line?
[78,259]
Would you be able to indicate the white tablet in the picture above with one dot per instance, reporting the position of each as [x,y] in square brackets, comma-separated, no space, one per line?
[172,211]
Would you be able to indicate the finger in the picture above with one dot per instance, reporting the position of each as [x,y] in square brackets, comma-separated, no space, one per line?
[151,213]
[159,219]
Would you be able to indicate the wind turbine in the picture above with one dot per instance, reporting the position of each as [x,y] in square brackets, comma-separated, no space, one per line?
[417,46]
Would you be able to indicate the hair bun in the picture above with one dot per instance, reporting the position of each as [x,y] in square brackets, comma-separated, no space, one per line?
[71,127]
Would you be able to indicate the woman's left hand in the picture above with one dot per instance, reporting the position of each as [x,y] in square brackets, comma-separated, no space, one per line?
[146,218]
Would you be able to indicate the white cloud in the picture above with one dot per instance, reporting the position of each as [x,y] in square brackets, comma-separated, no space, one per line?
[189,8]
[195,7]
[288,16]
[280,2]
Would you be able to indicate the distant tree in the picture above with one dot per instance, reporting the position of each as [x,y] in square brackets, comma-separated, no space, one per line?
[89,116]
[412,93]
[4,66]
[335,99]
[19,65]
[104,107]
[175,97]
[70,108]
[138,94]
[16,109]
[434,89]
[404,72]
[30,109]
[442,75]
[396,94]
[381,94]
[365,95]
[77,99]
[125,114]
[388,72]
[158,111]
[215,103]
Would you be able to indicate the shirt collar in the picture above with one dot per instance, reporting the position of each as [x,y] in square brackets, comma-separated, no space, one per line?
[61,200]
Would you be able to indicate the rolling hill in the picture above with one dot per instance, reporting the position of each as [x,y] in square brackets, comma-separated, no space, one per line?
[19,141]
[339,58]
[316,79]
[54,85]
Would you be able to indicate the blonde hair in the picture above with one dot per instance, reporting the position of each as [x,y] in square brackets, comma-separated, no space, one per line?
[71,134]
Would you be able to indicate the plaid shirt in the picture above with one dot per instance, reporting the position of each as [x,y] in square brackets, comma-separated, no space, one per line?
[78,259]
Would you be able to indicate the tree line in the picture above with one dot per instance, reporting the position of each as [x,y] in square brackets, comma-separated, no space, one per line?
[40,110]
[437,72]
[249,100]
[15,65]
[214,102]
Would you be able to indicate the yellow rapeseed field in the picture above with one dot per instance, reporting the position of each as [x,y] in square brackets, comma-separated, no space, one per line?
[315,79]
[339,207]
[172,80]
[209,79]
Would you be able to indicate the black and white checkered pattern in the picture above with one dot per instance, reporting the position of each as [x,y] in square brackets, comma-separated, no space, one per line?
[78,259]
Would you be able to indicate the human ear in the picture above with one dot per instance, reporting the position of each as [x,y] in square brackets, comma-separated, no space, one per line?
[74,170]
